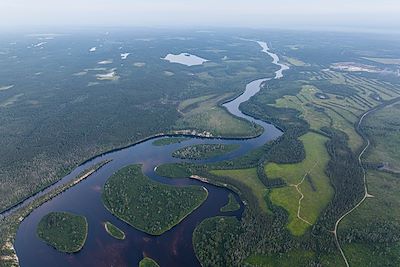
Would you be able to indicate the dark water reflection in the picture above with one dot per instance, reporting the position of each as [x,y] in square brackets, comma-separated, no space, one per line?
[173,248]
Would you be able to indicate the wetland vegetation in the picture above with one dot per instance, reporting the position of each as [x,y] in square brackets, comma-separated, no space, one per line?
[114,231]
[295,188]
[232,204]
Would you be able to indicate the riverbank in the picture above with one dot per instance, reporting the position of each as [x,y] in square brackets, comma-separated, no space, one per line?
[11,223]
[144,151]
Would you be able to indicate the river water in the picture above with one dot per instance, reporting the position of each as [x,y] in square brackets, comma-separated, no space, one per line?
[174,247]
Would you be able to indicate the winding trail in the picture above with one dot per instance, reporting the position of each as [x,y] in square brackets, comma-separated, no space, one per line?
[301,194]
[366,194]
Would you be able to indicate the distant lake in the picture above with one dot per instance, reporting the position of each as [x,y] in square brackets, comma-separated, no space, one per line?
[185,59]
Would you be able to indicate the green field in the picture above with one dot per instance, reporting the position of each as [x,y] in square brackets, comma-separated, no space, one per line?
[149,206]
[114,231]
[318,114]
[250,179]
[54,121]
[206,115]
[64,231]
[310,178]
[148,262]
[169,141]
[232,204]
[204,151]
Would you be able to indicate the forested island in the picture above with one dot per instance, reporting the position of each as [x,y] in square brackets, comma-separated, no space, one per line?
[324,193]
[203,151]
[64,231]
[147,205]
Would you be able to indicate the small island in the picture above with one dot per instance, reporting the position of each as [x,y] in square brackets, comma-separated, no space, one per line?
[204,151]
[148,262]
[114,231]
[169,141]
[64,231]
[149,206]
[232,204]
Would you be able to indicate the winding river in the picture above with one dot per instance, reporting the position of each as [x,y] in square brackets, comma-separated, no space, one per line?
[173,248]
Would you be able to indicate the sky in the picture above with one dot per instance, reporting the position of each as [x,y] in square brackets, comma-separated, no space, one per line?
[362,14]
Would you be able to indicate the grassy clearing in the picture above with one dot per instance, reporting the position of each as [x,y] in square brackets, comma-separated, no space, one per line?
[206,115]
[169,141]
[148,262]
[316,113]
[232,204]
[114,231]
[287,197]
[204,151]
[64,231]
[355,141]
[314,185]
[149,206]
[289,259]
[249,178]
[295,62]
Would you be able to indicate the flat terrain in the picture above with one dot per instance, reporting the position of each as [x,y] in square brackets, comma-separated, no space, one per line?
[149,206]
[169,141]
[203,151]
[371,233]
[320,184]
[250,179]
[58,116]
[309,190]
[205,115]
[64,231]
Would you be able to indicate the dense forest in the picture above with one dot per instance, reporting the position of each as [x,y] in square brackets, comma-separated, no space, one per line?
[55,120]
[58,116]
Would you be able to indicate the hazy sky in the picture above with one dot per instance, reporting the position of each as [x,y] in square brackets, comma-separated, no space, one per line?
[202,13]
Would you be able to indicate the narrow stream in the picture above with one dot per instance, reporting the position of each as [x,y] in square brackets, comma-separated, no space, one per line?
[173,248]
